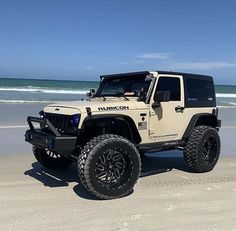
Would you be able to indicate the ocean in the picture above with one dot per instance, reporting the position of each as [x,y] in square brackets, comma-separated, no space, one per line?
[32,91]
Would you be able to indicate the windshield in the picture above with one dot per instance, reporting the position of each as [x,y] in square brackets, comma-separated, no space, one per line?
[128,86]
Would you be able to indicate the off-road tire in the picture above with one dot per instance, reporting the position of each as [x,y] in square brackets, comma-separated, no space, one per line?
[50,160]
[195,152]
[98,149]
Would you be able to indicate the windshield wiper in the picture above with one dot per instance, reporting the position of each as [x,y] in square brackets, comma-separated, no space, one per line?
[121,94]
[100,96]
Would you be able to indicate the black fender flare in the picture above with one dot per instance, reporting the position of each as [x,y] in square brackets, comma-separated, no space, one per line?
[136,138]
[200,119]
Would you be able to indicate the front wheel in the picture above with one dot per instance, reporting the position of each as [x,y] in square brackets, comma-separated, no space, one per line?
[50,159]
[109,166]
[202,149]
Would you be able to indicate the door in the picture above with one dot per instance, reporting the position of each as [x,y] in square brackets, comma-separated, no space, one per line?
[166,121]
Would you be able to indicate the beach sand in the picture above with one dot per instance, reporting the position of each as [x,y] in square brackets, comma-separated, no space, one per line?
[167,196]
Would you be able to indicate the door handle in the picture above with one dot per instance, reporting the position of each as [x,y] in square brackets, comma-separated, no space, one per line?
[179,109]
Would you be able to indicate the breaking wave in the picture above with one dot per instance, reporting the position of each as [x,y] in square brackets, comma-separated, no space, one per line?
[77,91]
[44,90]
[24,101]
[225,95]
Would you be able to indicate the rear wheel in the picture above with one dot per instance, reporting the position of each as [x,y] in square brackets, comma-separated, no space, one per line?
[50,159]
[109,166]
[202,149]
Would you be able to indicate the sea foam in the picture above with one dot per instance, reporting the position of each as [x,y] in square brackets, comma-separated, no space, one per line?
[225,95]
[44,90]
[77,92]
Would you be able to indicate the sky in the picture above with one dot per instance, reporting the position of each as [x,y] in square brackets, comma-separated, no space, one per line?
[80,40]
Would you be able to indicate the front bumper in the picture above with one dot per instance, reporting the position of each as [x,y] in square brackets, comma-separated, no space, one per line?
[62,144]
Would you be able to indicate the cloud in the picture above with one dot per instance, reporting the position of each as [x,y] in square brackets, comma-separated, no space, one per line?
[154,56]
[166,59]
[201,65]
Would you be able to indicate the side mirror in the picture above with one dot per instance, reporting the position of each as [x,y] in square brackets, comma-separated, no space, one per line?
[91,93]
[161,96]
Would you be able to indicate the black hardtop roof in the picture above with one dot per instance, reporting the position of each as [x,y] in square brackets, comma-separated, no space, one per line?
[159,72]
[126,74]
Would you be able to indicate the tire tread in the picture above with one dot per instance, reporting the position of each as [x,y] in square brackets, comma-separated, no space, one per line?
[84,158]
[191,150]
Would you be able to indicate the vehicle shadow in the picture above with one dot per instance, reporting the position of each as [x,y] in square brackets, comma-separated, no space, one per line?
[51,177]
[152,164]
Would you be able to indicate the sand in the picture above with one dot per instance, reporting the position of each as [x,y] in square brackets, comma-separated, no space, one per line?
[167,197]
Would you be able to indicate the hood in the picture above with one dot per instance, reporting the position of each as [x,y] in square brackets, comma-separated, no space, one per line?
[74,107]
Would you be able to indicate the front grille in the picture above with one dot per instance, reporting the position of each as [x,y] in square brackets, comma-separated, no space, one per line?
[63,123]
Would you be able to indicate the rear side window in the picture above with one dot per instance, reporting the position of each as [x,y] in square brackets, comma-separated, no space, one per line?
[200,93]
[170,84]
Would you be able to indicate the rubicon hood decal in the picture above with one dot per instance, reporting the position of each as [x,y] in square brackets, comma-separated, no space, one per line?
[116,108]
[97,106]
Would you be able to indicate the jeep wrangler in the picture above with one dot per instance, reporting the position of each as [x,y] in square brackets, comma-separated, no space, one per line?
[128,115]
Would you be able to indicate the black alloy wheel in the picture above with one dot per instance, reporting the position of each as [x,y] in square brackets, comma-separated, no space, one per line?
[202,149]
[109,166]
[50,159]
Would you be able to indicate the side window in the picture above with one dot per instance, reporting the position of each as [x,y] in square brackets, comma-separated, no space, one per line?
[170,84]
[200,92]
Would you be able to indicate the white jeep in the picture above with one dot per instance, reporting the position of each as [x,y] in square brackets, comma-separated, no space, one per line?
[129,114]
